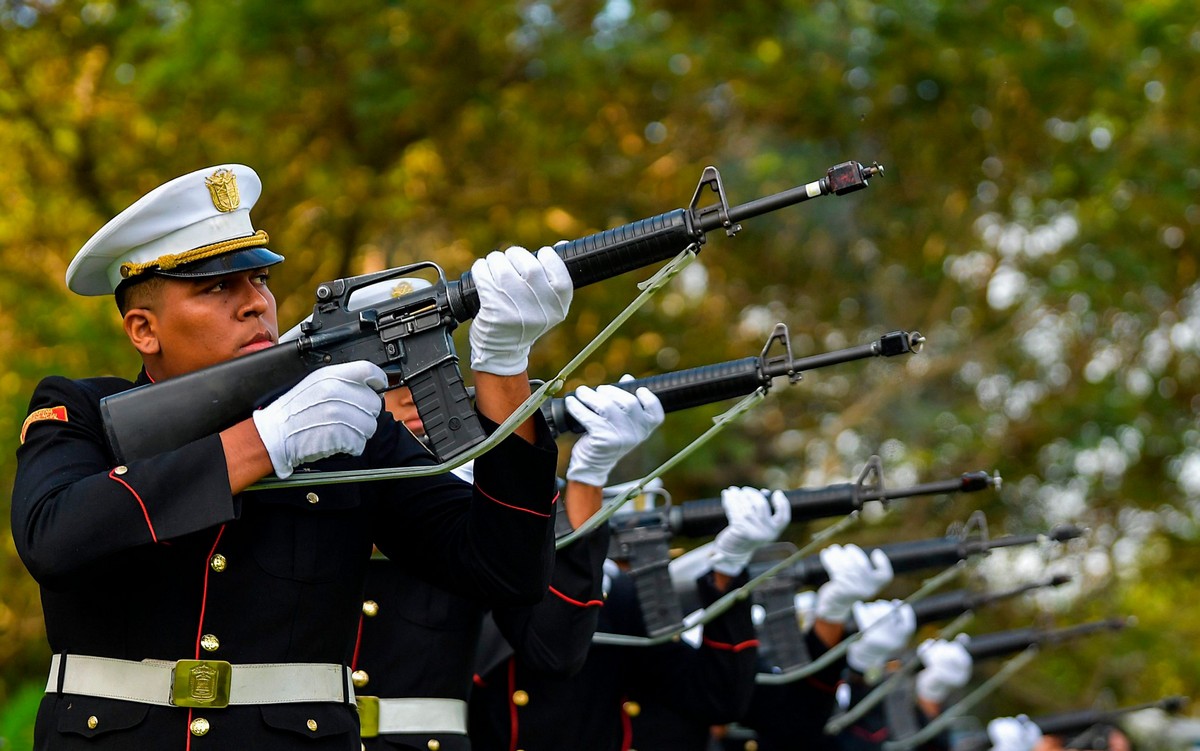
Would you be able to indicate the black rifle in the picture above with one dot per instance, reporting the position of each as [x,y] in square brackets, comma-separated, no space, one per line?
[410,336]
[707,384]
[1078,720]
[706,516]
[781,644]
[1000,643]
[1076,724]
[947,605]
[937,552]
[900,705]
[642,538]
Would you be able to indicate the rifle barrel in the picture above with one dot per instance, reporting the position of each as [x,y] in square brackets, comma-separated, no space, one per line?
[708,384]
[999,643]
[706,516]
[1078,720]
[631,246]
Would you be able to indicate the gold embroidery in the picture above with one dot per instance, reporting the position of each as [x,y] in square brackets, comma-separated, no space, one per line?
[49,413]
[223,189]
[171,260]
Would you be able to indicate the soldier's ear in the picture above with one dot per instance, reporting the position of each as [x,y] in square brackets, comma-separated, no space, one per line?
[141,326]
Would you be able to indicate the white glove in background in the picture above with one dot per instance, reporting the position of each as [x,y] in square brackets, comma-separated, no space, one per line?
[332,411]
[852,577]
[753,522]
[947,668]
[615,421]
[1013,733]
[521,297]
[885,627]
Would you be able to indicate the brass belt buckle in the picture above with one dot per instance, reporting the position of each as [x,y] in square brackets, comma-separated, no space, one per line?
[368,715]
[201,683]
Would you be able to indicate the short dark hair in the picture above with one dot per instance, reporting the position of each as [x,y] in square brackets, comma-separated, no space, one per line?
[135,293]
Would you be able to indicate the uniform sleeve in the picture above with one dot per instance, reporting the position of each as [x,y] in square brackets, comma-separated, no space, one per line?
[73,505]
[554,635]
[712,684]
[492,540]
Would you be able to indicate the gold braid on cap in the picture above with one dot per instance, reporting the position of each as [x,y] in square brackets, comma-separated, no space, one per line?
[171,260]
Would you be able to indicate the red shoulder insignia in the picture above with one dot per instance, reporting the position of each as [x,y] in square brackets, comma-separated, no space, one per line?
[49,413]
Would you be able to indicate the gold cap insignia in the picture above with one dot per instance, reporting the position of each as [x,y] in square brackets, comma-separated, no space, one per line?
[222,186]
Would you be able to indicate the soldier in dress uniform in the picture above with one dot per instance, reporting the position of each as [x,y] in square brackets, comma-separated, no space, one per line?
[947,668]
[788,715]
[517,706]
[416,652]
[185,614]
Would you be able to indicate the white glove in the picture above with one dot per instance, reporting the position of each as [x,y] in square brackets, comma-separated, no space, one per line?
[947,668]
[615,421]
[752,524]
[332,411]
[521,297]
[1013,733]
[852,577]
[886,626]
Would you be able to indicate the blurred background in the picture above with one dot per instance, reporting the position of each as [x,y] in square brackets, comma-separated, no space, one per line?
[1037,222]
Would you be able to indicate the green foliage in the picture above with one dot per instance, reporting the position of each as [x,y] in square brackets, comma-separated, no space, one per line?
[17,716]
[1037,222]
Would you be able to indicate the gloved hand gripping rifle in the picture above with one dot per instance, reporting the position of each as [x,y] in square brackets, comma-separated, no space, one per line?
[410,336]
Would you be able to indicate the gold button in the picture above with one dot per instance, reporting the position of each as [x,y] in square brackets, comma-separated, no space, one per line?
[210,642]
[632,708]
[520,698]
[312,497]
[751,745]
[199,726]
[93,721]
[312,725]
[370,608]
[433,745]
[360,678]
[218,563]
[120,470]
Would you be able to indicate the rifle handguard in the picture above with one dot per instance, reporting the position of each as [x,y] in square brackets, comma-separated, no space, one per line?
[676,391]
[631,246]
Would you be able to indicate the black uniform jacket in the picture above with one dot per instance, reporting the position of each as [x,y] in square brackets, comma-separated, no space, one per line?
[517,707]
[158,560]
[787,716]
[419,640]
[895,717]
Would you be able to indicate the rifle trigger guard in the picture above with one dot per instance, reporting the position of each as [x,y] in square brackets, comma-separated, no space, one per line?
[712,178]
[874,467]
[780,334]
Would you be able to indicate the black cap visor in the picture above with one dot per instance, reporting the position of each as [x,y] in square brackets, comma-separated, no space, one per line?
[226,263]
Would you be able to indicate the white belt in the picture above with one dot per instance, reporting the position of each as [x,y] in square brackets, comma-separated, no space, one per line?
[422,715]
[199,683]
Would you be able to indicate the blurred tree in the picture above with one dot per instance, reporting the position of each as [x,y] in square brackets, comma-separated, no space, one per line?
[1037,222]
